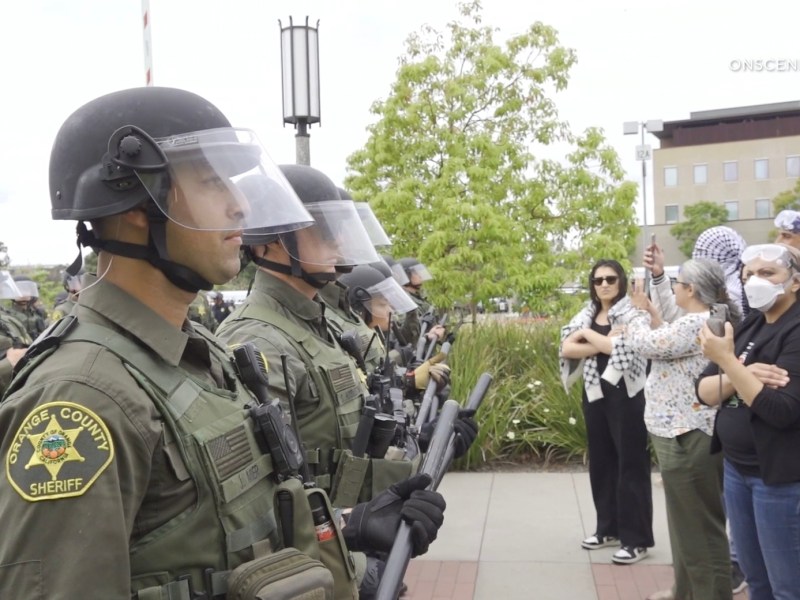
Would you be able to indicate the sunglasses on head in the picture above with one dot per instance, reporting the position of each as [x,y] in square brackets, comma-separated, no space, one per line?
[609,279]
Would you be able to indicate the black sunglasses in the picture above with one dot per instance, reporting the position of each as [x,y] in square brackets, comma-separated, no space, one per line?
[609,279]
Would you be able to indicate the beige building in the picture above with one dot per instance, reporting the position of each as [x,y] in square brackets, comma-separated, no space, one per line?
[737,157]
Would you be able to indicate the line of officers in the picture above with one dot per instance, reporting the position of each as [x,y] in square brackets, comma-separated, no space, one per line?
[275,458]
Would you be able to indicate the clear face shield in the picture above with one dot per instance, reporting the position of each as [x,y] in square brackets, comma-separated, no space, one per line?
[337,237]
[209,173]
[374,229]
[422,272]
[27,290]
[8,287]
[387,297]
[399,274]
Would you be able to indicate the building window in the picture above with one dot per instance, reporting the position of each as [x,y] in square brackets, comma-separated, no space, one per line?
[763,208]
[671,213]
[700,174]
[670,176]
[761,168]
[793,166]
[732,206]
[730,171]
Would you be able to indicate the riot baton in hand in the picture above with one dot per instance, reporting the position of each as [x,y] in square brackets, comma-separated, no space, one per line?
[474,401]
[435,340]
[427,398]
[425,324]
[400,555]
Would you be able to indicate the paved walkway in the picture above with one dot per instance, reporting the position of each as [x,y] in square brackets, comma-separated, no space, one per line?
[516,536]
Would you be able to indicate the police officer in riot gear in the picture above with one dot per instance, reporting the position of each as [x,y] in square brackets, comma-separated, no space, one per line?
[287,319]
[14,338]
[25,307]
[129,430]
[341,315]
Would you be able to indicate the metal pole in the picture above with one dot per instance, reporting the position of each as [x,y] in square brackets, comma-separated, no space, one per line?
[647,273]
[302,145]
[644,194]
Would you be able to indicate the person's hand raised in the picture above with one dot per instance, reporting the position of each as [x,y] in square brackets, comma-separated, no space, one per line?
[639,298]
[653,260]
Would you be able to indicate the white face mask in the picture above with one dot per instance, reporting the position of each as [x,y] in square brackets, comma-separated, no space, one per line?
[762,294]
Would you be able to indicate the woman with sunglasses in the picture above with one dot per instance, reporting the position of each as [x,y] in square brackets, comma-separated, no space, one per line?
[754,378]
[613,407]
[680,428]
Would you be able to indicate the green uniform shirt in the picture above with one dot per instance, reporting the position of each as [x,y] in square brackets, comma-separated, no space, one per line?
[129,487]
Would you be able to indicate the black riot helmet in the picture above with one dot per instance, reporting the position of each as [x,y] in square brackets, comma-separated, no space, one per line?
[398,272]
[372,291]
[156,148]
[337,233]
[413,267]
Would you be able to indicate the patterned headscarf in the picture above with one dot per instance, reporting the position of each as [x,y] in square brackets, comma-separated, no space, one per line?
[788,220]
[724,246]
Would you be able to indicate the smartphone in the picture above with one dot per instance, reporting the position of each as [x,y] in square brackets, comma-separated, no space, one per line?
[652,239]
[718,316]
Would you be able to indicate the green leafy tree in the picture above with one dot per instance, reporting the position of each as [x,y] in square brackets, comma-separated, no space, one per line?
[788,199]
[451,169]
[697,218]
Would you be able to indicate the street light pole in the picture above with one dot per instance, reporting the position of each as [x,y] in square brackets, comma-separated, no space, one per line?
[643,153]
[300,83]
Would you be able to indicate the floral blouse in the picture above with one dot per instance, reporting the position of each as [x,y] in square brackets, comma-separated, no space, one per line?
[672,407]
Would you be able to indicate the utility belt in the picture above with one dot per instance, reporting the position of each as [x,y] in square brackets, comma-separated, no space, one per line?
[313,563]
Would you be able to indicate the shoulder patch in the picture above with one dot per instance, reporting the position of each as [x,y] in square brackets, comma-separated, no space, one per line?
[59,451]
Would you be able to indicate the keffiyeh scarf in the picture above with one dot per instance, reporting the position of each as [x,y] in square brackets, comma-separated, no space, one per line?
[623,362]
[724,246]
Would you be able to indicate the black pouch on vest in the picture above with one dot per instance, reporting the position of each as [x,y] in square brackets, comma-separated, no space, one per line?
[285,575]
[297,529]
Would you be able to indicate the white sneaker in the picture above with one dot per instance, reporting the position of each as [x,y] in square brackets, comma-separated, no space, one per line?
[593,542]
[627,555]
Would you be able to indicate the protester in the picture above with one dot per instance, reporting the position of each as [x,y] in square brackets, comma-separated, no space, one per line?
[754,378]
[680,430]
[613,406]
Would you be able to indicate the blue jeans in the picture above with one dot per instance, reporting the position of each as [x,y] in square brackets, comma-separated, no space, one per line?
[765,524]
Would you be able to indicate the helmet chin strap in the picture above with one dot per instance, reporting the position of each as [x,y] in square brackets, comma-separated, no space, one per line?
[155,252]
[315,280]
[294,268]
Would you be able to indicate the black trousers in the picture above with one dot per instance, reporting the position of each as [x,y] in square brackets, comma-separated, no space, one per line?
[619,466]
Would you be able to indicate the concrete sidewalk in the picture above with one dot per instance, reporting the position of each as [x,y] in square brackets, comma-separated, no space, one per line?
[516,536]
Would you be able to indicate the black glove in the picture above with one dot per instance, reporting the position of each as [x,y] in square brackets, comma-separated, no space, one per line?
[372,525]
[465,428]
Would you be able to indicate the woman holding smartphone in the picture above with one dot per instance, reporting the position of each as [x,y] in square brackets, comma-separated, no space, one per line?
[754,378]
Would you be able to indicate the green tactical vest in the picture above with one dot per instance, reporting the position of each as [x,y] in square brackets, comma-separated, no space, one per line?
[338,383]
[209,437]
[328,434]
[13,329]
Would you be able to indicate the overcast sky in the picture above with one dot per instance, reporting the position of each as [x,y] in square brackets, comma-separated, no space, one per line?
[636,61]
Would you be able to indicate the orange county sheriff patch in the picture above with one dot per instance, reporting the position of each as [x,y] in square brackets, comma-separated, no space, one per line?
[58,452]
